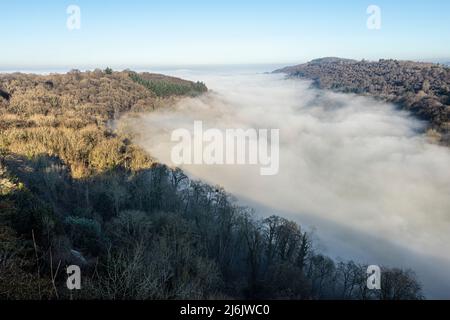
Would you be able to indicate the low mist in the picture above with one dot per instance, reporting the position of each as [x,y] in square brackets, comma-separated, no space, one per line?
[359,172]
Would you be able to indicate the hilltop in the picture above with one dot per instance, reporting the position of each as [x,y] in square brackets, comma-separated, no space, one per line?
[68,115]
[421,88]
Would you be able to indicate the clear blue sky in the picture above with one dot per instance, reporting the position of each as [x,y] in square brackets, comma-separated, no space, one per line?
[181,32]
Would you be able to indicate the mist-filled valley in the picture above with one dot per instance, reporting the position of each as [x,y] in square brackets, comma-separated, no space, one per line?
[225,159]
[358,172]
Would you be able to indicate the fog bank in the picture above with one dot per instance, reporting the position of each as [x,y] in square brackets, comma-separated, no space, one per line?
[359,171]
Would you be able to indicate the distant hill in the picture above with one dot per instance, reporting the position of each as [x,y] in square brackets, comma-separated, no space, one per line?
[316,62]
[422,88]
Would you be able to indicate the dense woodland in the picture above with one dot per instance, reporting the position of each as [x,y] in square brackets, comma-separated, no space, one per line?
[73,191]
[421,88]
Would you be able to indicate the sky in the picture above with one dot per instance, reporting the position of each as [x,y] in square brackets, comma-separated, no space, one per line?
[175,32]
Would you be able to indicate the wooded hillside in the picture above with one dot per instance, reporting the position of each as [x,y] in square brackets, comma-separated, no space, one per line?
[421,88]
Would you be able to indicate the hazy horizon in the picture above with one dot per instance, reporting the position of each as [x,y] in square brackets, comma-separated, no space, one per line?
[169,69]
